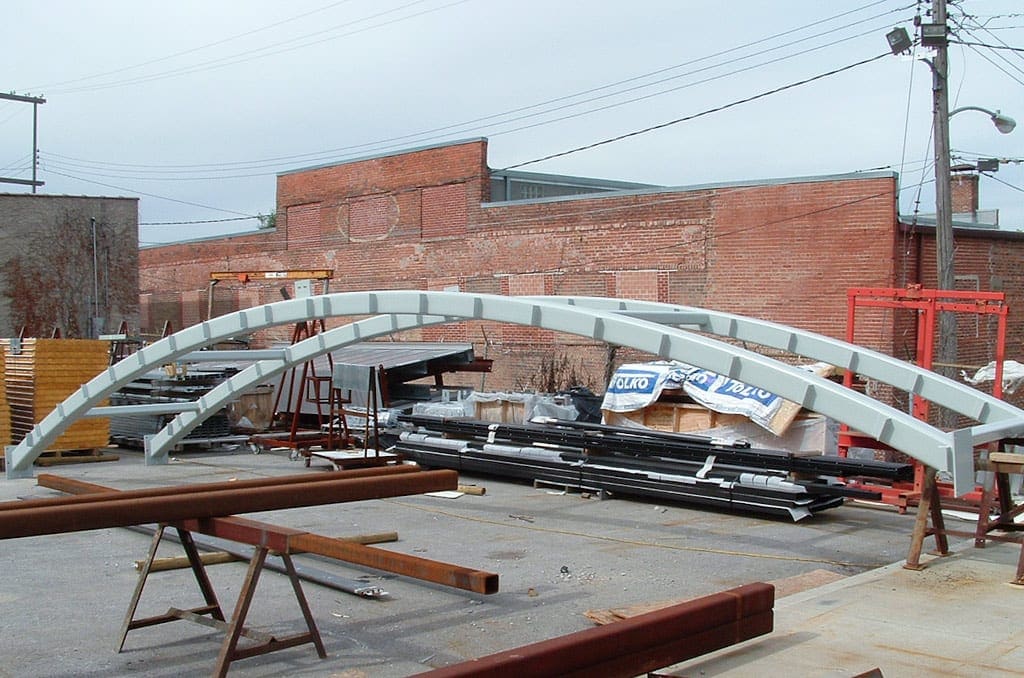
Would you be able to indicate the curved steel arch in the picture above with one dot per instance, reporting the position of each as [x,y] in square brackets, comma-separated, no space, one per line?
[946,452]
[159,445]
[886,369]
[1004,420]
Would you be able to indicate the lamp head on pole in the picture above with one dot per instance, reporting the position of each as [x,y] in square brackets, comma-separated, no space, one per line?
[1004,123]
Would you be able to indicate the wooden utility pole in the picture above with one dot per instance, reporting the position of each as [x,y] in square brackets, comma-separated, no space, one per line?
[35,101]
[944,246]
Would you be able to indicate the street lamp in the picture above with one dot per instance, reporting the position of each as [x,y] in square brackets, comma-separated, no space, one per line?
[1004,123]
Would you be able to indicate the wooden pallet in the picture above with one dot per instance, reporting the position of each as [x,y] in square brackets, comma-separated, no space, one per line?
[57,457]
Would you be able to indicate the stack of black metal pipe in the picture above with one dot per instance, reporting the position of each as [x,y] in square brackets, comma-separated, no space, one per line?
[641,462]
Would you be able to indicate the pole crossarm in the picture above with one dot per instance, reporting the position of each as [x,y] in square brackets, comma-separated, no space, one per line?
[893,427]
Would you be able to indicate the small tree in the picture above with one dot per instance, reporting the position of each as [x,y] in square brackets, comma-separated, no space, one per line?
[267,220]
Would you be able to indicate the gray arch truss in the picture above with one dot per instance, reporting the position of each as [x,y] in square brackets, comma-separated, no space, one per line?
[663,330]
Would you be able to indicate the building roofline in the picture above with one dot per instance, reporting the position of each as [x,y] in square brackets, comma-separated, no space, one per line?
[222,236]
[703,187]
[568,180]
[68,195]
[961,229]
[376,156]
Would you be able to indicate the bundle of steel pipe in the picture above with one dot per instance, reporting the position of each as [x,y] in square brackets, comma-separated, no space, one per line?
[758,494]
[627,441]
[636,645]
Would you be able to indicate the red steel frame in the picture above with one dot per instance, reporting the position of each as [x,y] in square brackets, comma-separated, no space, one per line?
[928,303]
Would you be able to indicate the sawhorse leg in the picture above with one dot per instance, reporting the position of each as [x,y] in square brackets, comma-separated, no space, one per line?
[212,607]
[229,650]
[928,507]
[235,628]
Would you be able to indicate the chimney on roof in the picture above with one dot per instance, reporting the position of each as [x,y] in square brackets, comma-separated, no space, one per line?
[964,189]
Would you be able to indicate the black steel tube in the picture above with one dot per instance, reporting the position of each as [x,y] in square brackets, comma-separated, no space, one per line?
[634,442]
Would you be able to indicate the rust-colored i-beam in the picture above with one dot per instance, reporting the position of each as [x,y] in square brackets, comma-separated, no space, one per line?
[637,645]
[87,493]
[118,512]
[291,541]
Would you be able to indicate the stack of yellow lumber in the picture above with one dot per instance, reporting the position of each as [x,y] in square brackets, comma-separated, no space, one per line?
[5,414]
[40,374]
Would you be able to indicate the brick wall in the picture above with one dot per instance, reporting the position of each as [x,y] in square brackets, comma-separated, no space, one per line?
[53,260]
[782,251]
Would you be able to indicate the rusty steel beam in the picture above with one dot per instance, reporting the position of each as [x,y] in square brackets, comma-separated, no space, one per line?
[400,563]
[636,645]
[290,540]
[88,493]
[118,512]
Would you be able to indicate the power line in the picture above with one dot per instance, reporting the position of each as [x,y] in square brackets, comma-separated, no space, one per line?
[465,126]
[701,114]
[266,51]
[982,44]
[150,195]
[86,168]
[192,49]
[195,221]
[1004,183]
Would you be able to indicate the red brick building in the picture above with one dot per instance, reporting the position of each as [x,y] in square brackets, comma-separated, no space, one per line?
[438,218]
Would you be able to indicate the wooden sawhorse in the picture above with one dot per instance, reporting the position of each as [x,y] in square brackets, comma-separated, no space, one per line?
[996,489]
[211,614]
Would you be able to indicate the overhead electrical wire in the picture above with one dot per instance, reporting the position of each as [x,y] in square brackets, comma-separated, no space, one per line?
[83,168]
[1004,183]
[1019,50]
[267,50]
[328,153]
[195,221]
[703,113]
[86,167]
[191,50]
[153,195]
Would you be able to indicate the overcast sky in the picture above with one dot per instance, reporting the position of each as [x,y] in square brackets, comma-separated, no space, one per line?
[196,105]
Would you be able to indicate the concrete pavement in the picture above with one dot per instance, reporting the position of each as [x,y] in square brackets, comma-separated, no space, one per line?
[559,556]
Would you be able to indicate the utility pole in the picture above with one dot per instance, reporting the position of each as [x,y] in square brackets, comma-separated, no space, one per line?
[35,101]
[944,246]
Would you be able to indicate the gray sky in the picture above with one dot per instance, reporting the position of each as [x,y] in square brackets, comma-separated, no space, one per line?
[196,105]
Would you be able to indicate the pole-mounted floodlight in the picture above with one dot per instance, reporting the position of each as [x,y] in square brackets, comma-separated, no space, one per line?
[899,41]
[1004,123]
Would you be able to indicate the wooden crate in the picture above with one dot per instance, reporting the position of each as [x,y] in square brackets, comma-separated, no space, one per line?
[677,417]
[501,411]
[40,373]
[808,435]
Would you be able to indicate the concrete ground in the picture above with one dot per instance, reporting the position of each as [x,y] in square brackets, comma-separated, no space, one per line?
[559,555]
